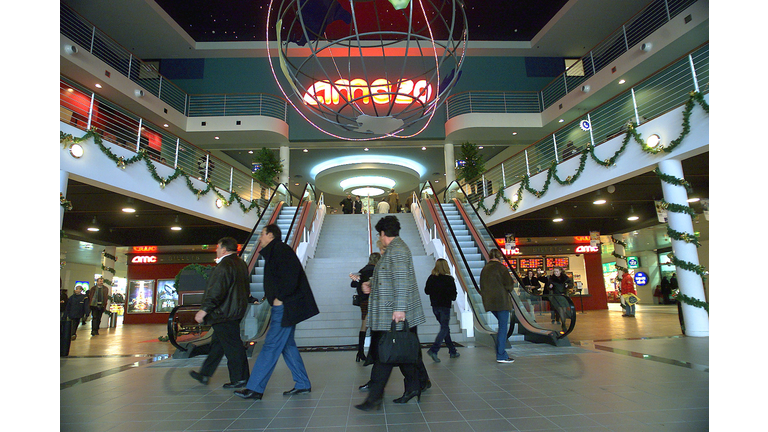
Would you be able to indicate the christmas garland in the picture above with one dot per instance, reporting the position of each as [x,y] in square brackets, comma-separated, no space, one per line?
[202,270]
[67,140]
[619,257]
[695,98]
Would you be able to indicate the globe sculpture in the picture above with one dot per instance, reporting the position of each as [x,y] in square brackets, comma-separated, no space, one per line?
[367,69]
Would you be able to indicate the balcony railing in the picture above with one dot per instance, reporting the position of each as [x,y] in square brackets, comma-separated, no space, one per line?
[86,110]
[656,95]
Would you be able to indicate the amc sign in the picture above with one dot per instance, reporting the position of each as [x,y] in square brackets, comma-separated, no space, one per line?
[586,249]
[381,91]
[144,259]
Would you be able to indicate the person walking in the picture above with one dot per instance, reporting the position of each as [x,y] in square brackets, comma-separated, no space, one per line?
[358,279]
[347,205]
[394,296]
[627,287]
[98,299]
[223,307]
[287,290]
[358,205]
[559,283]
[382,207]
[75,309]
[441,289]
[394,201]
[495,289]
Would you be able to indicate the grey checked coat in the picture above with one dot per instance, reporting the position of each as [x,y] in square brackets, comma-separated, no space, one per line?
[394,288]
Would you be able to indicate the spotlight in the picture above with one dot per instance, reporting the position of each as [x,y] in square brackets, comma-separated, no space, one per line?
[76,151]
[653,141]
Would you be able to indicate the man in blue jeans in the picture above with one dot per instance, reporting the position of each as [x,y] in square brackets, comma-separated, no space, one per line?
[495,288]
[288,292]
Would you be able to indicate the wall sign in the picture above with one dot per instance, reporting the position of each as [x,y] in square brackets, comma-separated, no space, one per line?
[641,279]
[633,262]
[144,259]
[380,90]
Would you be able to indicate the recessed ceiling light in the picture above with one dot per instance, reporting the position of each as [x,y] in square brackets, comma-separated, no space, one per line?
[306,150]
[165,124]
[98,85]
[215,137]
[622,81]
[560,121]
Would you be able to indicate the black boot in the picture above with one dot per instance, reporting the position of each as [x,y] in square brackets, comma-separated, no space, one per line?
[360,347]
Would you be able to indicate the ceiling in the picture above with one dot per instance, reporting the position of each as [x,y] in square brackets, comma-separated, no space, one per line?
[200,28]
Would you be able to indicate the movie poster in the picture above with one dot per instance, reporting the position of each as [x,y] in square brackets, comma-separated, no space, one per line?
[167,297]
[141,294]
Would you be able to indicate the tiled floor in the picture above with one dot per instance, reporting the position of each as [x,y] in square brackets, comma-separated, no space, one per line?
[619,374]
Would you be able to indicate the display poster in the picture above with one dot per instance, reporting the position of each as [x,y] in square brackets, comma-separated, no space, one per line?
[531,263]
[167,296]
[141,294]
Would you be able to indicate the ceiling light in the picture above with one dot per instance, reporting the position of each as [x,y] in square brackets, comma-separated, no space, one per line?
[599,201]
[632,215]
[93,227]
[165,124]
[98,85]
[622,81]
[557,217]
[367,191]
[215,137]
[561,120]
[306,150]
[176,226]
[129,210]
[424,148]
[693,200]
[368,159]
[352,182]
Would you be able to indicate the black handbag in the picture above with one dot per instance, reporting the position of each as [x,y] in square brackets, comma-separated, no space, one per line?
[355,300]
[398,347]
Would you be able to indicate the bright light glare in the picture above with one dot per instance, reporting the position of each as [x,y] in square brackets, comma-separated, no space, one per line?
[367,181]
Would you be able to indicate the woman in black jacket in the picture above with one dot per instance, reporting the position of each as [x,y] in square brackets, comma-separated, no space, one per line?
[358,278]
[441,289]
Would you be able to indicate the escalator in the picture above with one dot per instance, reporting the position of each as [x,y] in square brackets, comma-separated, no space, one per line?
[191,338]
[467,241]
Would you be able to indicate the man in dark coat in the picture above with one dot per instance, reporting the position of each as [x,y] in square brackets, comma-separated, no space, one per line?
[223,307]
[288,292]
[347,205]
[98,299]
[75,309]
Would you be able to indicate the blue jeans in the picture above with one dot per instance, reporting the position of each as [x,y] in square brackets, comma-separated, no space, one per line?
[279,340]
[443,316]
[501,336]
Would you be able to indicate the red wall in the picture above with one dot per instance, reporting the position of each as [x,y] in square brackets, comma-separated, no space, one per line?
[150,271]
[596,299]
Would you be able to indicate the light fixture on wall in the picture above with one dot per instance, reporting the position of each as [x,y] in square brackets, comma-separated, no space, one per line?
[76,150]
[93,227]
[653,141]
[646,47]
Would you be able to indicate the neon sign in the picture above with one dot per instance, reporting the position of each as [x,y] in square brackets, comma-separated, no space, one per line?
[586,249]
[380,90]
[144,259]
[145,248]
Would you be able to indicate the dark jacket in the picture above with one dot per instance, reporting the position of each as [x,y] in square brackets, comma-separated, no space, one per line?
[76,307]
[285,279]
[346,205]
[226,295]
[495,287]
[441,290]
[365,275]
[104,295]
[358,207]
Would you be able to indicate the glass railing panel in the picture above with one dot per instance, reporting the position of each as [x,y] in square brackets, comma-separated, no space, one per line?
[611,119]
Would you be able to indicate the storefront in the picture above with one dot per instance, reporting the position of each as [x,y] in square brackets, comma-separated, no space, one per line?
[151,293]
[580,260]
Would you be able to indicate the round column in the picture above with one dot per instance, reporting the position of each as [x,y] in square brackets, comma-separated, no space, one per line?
[450,164]
[108,258]
[285,159]
[63,181]
[690,283]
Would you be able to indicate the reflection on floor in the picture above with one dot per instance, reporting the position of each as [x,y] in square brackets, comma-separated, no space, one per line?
[620,374]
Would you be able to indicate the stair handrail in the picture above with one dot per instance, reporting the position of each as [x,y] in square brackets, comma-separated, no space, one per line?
[253,231]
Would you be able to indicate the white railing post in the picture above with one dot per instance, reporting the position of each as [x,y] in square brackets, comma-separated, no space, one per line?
[485,189]
[90,112]
[231,175]
[634,104]
[176,157]
[591,137]
[207,159]
[527,166]
[138,137]
[554,144]
[693,73]
[503,176]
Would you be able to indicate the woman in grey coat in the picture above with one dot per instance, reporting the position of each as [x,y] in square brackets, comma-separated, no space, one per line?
[394,296]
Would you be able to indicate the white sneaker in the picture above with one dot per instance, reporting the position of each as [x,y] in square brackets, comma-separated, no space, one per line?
[508,360]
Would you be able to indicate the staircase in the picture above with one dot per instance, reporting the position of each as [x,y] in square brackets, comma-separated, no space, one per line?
[342,249]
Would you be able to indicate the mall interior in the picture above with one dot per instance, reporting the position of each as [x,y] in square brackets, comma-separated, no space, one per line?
[587,121]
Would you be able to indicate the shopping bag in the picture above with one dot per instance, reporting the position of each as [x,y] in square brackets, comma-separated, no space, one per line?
[630,299]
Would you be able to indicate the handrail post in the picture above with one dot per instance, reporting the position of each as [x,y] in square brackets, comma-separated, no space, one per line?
[554,144]
[231,176]
[634,104]
[138,137]
[90,112]
[693,73]
[176,157]
[527,165]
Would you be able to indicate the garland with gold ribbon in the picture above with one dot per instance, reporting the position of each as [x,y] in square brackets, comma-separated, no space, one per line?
[67,140]
[694,99]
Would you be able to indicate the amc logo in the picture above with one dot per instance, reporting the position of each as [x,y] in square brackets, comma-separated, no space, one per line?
[585,249]
[144,259]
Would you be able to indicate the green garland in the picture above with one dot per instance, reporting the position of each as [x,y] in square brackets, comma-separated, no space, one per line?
[695,98]
[67,140]
[619,257]
[202,270]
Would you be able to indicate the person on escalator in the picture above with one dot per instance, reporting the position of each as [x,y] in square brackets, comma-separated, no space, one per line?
[559,283]
[496,286]
[441,289]
[223,307]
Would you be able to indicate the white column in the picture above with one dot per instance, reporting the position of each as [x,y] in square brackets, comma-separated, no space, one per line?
[108,265]
[618,248]
[450,164]
[690,283]
[285,159]
[63,181]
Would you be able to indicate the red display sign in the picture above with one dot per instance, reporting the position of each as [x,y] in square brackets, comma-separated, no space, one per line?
[557,262]
[145,249]
[531,263]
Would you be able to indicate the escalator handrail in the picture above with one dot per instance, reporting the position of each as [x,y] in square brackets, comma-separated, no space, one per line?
[261,216]
[472,228]
[298,209]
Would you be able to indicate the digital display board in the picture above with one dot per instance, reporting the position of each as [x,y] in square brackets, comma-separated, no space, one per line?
[557,262]
[531,263]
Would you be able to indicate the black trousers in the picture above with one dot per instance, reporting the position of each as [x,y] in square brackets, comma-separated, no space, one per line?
[415,375]
[226,342]
[96,313]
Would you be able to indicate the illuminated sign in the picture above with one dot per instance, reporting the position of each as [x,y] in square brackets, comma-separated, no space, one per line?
[641,278]
[633,262]
[515,251]
[144,259]
[380,90]
[145,249]
[586,249]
